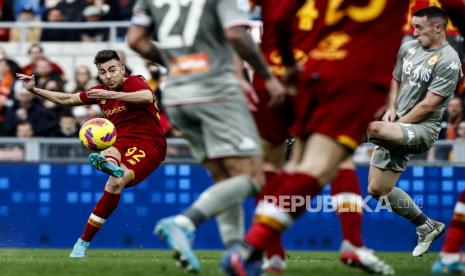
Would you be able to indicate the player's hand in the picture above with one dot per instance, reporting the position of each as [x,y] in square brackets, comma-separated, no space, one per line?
[276,90]
[291,78]
[99,94]
[390,115]
[28,81]
[251,97]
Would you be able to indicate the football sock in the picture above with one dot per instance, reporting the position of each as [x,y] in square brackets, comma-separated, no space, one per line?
[231,225]
[455,237]
[219,197]
[346,193]
[272,181]
[402,204]
[276,247]
[268,224]
[104,208]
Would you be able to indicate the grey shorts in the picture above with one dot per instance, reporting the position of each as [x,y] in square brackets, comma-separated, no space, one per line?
[417,138]
[217,129]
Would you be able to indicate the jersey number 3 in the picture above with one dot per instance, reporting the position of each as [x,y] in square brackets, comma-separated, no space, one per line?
[186,36]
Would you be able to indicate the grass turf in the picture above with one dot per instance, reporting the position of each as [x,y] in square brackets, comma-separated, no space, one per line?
[19,262]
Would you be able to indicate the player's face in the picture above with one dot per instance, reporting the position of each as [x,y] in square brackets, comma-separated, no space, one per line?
[111,73]
[424,31]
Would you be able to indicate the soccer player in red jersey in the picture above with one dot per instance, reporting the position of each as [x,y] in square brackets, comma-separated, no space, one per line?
[273,125]
[339,89]
[130,104]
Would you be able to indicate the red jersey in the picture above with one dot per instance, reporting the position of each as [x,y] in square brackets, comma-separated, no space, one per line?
[351,39]
[269,40]
[135,121]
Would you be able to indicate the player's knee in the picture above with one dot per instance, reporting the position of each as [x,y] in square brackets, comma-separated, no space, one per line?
[324,174]
[115,184]
[376,191]
[374,129]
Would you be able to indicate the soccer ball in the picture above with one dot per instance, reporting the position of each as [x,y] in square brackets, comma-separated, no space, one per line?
[97,134]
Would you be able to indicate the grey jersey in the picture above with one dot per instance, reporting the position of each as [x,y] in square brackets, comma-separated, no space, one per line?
[190,34]
[419,71]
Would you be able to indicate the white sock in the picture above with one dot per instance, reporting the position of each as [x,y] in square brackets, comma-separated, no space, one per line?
[449,258]
[184,222]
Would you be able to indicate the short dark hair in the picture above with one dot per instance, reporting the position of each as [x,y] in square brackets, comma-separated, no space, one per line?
[432,13]
[105,55]
[35,45]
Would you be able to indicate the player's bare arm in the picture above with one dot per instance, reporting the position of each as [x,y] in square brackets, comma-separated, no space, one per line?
[60,98]
[251,96]
[139,40]
[245,46]
[390,115]
[139,97]
[423,109]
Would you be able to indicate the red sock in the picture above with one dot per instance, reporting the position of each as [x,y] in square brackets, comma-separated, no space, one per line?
[455,238]
[276,248]
[259,236]
[272,180]
[296,184]
[105,206]
[351,221]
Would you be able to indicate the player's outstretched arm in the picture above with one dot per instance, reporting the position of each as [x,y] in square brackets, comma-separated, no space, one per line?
[139,97]
[60,98]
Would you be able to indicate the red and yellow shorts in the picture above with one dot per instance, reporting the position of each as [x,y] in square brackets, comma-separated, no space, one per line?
[273,123]
[142,158]
[337,108]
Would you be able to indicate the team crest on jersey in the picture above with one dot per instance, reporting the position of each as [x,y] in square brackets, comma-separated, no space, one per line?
[330,48]
[432,60]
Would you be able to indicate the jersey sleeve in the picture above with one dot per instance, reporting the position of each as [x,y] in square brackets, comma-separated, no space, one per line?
[233,13]
[397,74]
[445,78]
[138,83]
[141,14]
[83,95]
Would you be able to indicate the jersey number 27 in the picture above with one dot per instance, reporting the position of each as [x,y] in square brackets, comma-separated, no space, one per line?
[188,32]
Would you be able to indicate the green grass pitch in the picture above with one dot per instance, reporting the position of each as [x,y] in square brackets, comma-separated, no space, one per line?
[29,262]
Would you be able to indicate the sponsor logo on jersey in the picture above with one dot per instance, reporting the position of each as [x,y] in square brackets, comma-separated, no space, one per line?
[416,74]
[118,109]
[189,64]
[330,48]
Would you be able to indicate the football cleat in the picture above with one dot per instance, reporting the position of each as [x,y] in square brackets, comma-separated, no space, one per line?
[427,233]
[79,249]
[233,264]
[275,264]
[180,240]
[101,163]
[363,258]
[441,268]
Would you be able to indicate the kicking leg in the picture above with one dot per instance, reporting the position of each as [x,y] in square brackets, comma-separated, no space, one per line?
[102,211]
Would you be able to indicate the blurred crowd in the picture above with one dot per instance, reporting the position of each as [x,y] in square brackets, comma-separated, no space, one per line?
[63,11]
[24,115]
